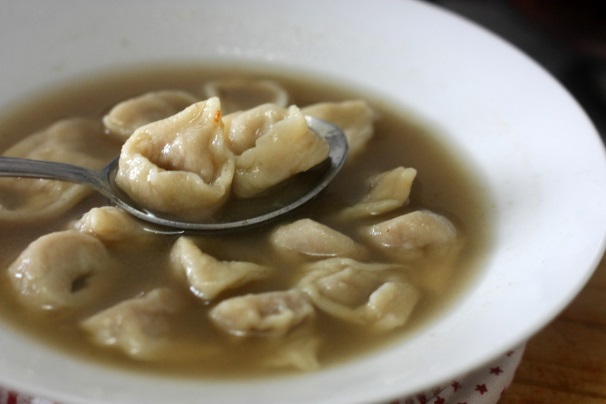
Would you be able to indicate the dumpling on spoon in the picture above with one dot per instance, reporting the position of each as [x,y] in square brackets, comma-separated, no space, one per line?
[179,165]
[274,143]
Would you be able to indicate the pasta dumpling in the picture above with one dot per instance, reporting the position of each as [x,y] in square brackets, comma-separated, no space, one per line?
[180,165]
[282,148]
[412,231]
[113,225]
[388,191]
[359,293]
[313,239]
[140,327]
[243,128]
[125,117]
[297,352]
[60,270]
[241,94]
[207,276]
[269,314]
[75,141]
[354,117]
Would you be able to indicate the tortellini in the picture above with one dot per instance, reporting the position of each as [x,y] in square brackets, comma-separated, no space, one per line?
[310,238]
[355,117]
[358,292]
[299,352]
[61,270]
[25,200]
[270,314]
[127,116]
[429,239]
[412,231]
[240,94]
[179,165]
[387,191]
[207,276]
[140,327]
[183,165]
[113,225]
[282,148]
[243,128]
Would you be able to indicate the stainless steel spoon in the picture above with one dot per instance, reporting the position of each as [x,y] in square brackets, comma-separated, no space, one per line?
[103,182]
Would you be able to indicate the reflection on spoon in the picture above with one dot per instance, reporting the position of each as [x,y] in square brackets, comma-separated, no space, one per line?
[103,182]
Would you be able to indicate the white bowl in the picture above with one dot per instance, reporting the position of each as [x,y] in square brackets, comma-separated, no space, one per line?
[541,158]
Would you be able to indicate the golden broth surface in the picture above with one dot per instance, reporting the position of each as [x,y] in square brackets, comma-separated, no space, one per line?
[444,184]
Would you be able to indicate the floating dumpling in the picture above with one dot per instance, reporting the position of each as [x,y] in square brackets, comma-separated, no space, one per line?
[269,314]
[359,292]
[240,94]
[76,141]
[207,276]
[412,231]
[296,352]
[126,117]
[180,165]
[60,270]
[313,239]
[140,327]
[113,225]
[387,191]
[355,118]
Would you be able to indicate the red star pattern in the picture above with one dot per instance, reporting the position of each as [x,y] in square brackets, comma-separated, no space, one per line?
[455,385]
[496,371]
[439,400]
[482,389]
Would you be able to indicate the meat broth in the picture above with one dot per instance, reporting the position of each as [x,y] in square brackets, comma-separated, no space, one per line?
[141,266]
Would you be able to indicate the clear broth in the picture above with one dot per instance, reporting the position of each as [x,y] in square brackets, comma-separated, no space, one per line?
[444,184]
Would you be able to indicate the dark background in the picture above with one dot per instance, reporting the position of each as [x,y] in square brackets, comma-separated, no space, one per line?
[567,37]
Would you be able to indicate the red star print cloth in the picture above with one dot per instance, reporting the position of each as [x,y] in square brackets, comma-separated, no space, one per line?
[483,386]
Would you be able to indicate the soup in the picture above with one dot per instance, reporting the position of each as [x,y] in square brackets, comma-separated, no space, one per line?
[322,286]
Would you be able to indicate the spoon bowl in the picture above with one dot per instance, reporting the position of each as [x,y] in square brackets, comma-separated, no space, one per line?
[103,182]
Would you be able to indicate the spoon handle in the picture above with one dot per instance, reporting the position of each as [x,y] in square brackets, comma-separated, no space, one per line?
[20,167]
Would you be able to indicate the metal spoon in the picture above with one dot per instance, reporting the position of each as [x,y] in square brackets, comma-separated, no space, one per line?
[103,182]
